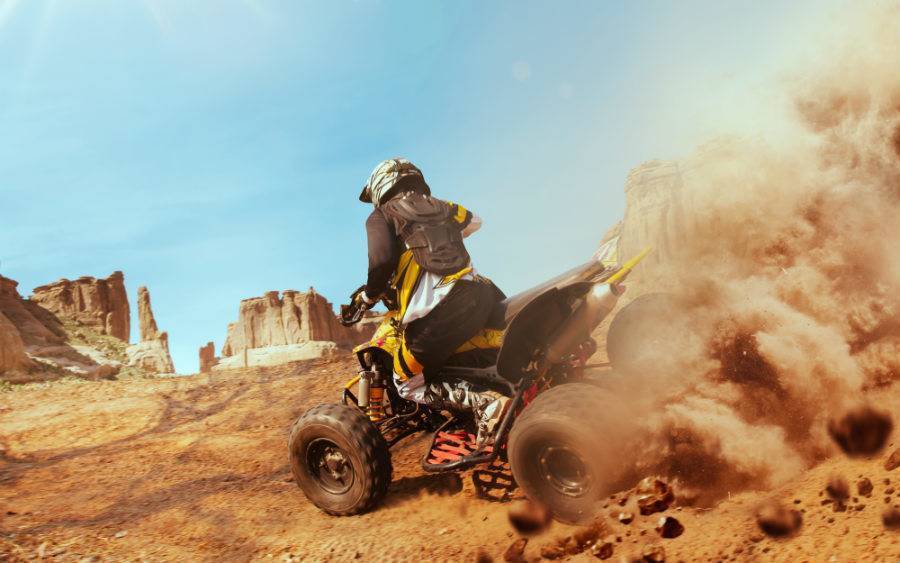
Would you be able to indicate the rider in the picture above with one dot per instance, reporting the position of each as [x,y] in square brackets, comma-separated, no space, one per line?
[416,249]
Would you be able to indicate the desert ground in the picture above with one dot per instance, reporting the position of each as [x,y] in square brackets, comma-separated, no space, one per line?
[195,469]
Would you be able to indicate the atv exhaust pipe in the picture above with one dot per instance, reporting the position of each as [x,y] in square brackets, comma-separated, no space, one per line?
[598,303]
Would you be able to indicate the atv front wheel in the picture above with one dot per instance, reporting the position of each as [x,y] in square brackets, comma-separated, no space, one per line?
[339,459]
[565,449]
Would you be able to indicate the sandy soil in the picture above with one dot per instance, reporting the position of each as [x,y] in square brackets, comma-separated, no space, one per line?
[195,469]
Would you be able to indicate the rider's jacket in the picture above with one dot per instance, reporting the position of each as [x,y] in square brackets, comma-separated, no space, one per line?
[416,250]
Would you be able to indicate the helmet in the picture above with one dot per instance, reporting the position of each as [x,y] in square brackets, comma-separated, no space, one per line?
[386,176]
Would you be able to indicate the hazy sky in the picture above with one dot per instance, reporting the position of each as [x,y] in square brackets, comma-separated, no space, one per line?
[213,150]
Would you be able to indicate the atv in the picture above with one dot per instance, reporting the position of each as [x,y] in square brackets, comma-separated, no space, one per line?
[555,431]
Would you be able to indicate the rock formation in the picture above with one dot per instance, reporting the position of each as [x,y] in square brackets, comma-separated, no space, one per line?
[12,348]
[292,326]
[29,329]
[293,318]
[152,352]
[654,212]
[208,357]
[101,304]
[146,320]
[36,326]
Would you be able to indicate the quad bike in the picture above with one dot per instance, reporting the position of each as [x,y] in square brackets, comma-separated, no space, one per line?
[556,431]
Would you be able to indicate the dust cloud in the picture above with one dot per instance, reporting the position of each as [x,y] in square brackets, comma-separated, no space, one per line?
[785,296]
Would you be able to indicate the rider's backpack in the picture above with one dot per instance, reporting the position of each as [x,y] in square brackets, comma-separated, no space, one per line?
[426,226]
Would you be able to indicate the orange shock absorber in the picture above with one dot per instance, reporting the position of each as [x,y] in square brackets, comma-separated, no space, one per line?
[376,403]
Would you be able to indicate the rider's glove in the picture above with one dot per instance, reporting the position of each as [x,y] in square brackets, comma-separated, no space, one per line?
[362,301]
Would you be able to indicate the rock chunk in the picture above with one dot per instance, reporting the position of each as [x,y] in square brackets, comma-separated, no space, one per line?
[553,551]
[891,519]
[515,553]
[861,431]
[604,548]
[893,461]
[777,521]
[669,527]
[838,489]
[864,487]
[653,495]
[529,517]
[626,517]
[654,554]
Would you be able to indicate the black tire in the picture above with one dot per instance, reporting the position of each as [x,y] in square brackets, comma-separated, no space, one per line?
[634,330]
[339,459]
[574,421]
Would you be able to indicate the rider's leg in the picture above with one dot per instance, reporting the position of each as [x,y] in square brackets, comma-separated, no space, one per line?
[487,405]
[428,342]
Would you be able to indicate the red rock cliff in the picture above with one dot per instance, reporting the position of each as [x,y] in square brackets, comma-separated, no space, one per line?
[101,304]
[293,317]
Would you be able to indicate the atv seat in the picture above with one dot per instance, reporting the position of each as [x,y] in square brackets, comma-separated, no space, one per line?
[527,319]
[505,310]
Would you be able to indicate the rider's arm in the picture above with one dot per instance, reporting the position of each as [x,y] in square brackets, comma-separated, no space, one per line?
[383,255]
[468,221]
[474,225]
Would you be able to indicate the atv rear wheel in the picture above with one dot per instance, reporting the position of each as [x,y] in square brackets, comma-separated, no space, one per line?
[339,459]
[638,327]
[564,451]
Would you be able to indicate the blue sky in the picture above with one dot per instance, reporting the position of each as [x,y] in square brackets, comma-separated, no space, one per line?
[213,150]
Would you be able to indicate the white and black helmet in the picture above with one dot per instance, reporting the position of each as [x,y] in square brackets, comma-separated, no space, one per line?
[386,176]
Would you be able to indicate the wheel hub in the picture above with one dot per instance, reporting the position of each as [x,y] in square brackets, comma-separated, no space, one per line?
[565,470]
[330,466]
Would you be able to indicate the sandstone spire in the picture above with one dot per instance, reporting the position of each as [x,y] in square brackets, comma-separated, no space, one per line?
[208,357]
[152,352]
[149,330]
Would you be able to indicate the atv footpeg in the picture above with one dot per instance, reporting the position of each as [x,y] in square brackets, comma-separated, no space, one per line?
[451,448]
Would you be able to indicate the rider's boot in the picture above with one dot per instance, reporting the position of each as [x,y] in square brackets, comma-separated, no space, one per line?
[488,406]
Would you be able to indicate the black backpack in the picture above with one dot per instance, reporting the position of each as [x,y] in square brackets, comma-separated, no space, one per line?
[426,226]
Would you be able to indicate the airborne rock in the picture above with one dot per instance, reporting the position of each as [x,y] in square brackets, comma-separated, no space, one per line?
[861,431]
[778,521]
[654,495]
[529,517]
[891,519]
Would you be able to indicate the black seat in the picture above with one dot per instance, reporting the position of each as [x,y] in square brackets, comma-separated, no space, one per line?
[505,310]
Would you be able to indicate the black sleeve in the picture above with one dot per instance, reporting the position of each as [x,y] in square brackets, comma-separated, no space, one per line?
[383,253]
